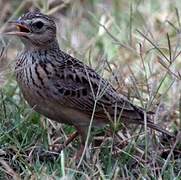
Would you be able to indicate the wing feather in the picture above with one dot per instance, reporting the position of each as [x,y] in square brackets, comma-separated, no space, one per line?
[80,86]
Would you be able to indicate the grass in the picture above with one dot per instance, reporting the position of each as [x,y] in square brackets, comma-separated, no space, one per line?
[136,46]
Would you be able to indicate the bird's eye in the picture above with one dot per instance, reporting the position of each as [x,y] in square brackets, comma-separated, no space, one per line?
[38,24]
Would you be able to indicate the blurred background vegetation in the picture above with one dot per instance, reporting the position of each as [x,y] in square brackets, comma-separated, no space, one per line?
[136,46]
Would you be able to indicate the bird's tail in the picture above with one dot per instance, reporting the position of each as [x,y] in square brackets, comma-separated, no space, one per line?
[150,123]
[156,127]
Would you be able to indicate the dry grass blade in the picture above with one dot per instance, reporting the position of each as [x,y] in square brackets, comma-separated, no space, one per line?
[2,58]
[59,7]
[170,49]
[178,17]
[171,151]
[167,67]
[9,170]
[116,40]
[3,64]
[154,45]
[180,110]
[171,24]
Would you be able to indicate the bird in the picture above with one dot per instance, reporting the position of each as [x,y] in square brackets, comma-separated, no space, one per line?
[63,88]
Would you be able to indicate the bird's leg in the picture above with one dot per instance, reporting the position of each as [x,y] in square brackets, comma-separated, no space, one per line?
[79,152]
[68,141]
[82,131]
[56,149]
[70,138]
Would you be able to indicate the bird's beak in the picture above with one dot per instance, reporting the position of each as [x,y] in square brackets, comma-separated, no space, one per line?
[22,28]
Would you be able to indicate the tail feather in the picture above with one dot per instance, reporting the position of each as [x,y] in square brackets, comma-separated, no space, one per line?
[150,123]
[158,128]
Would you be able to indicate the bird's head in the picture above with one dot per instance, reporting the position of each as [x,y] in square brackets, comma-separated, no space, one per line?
[35,29]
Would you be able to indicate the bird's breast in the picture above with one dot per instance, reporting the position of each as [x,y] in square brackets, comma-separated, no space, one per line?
[34,80]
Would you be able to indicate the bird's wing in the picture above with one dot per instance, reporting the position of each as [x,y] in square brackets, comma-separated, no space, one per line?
[78,86]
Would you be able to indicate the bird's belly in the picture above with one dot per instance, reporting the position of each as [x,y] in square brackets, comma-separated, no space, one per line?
[45,105]
[56,110]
